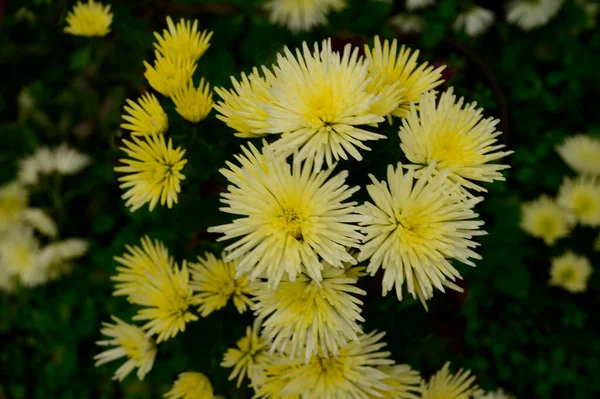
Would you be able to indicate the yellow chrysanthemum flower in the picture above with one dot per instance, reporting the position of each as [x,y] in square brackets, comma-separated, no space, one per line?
[192,103]
[19,255]
[582,196]
[413,227]
[214,283]
[291,216]
[318,99]
[302,15]
[250,354]
[544,218]
[145,118]
[169,75]
[13,202]
[571,272]
[354,373]
[152,173]
[307,317]
[454,138]
[448,386]
[403,380]
[131,342]
[150,279]
[398,78]
[191,385]
[581,153]
[182,40]
[91,19]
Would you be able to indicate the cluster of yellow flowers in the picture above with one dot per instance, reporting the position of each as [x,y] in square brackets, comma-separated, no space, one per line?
[578,202]
[31,252]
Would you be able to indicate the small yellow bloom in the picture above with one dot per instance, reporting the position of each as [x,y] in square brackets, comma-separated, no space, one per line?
[447,386]
[214,283]
[582,196]
[249,356]
[302,15]
[192,103]
[131,342]
[169,75]
[403,380]
[145,118]
[13,202]
[152,173]
[19,256]
[544,218]
[398,78]
[582,153]
[183,40]
[571,272]
[191,385]
[454,138]
[91,19]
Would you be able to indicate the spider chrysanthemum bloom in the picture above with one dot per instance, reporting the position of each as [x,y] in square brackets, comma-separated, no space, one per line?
[146,117]
[302,15]
[444,385]
[89,19]
[528,14]
[214,284]
[306,317]
[251,354]
[62,160]
[192,103]
[398,78]
[152,172]
[13,202]
[316,99]
[475,21]
[290,216]
[354,373]
[403,380]
[544,218]
[20,257]
[413,227]
[128,341]
[183,40]
[169,75]
[150,279]
[191,385]
[581,153]
[582,196]
[571,272]
[453,137]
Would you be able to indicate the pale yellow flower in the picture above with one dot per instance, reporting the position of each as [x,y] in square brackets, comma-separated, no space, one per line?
[302,15]
[448,386]
[582,196]
[131,342]
[191,385]
[454,138]
[89,19]
[40,221]
[183,40]
[147,117]
[528,14]
[13,202]
[544,218]
[58,256]
[169,75]
[581,153]
[192,103]
[214,284]
[571,272]
[403,380]
[20,257]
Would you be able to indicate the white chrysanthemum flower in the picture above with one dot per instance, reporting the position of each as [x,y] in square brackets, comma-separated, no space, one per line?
[582,196]
[445,385]
[498,394]
[475,21]
[40,221]
[13,202]
[58,256]
[69,161]
[413,227]
[302,15]
[581,153]
[531,14]
[408,23]
[7,280]
[571,272]
[19,253]
[415,4]
[544,218]
[62,160]
[403,380]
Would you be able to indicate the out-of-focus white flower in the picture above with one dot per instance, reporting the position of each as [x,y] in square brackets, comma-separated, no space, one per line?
[68,161]
[475,21]
[40,221]
[408,23]
[7,281]
[62,160]
[19,256]
[57,257]
[498,394]
[414,4]
[528,14]
[13,201]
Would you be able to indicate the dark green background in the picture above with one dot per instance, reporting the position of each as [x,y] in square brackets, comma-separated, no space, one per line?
[510,328]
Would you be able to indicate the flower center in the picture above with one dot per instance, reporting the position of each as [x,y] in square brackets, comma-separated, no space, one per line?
[292,223]
[584,204]
[450,149]
[547,225]
[565,276]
